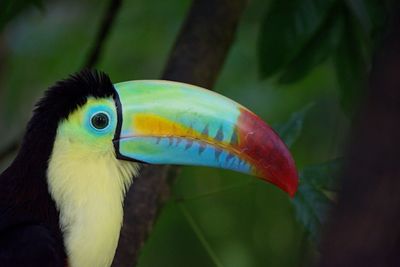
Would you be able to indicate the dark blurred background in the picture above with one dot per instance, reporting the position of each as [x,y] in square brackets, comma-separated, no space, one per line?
[298,64]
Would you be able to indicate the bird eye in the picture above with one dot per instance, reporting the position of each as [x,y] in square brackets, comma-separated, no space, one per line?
[100,120]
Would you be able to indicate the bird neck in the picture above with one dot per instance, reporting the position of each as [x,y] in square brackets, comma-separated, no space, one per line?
[88,190]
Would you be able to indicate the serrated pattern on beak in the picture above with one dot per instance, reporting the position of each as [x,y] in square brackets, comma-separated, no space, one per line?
[173,123]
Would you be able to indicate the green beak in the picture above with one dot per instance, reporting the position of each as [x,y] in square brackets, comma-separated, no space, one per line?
[162,122]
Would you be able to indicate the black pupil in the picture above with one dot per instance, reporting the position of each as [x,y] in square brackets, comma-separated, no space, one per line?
[100,121]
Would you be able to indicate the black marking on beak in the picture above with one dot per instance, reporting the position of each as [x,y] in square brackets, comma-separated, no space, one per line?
[118,129]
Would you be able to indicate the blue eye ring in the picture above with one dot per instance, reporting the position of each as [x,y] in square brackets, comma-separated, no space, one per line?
[100,121]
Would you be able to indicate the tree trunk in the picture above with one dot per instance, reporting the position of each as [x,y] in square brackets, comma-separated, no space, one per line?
[197,58]
[365,230]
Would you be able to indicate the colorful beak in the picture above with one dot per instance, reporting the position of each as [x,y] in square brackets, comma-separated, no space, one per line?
[162,122]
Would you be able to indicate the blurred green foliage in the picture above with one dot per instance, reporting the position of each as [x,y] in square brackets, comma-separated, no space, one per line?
[307,51]
[11,8]
[297,36]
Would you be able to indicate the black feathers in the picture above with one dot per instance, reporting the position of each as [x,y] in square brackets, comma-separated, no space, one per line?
[30,245]
[58,102]
[69,94]
[24,197]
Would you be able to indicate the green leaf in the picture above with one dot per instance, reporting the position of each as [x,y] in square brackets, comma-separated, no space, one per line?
[314,199]
[311,207]
[351,66]
[291,130]
[323,176]
[11,8]
[364,22]
[286,28]
[316,50]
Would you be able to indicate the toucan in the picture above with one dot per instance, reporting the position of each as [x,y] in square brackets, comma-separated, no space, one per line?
[61,199]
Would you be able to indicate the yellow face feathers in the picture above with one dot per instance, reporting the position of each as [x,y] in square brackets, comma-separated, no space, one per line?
[79,125]
[88,184]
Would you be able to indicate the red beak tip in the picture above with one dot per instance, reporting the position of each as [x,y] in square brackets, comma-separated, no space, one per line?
[288,184]
[292,186]
[292,192]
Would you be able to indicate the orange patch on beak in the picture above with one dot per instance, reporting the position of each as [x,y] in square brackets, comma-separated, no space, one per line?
[153,125]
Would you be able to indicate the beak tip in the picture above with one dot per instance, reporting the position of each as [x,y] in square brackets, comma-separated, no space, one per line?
[289,184]
[292,183]
[284,177]
[292,189]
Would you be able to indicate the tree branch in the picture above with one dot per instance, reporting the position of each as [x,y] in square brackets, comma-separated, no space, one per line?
[93,57]
[197,58]
[364,230]
[108,20]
